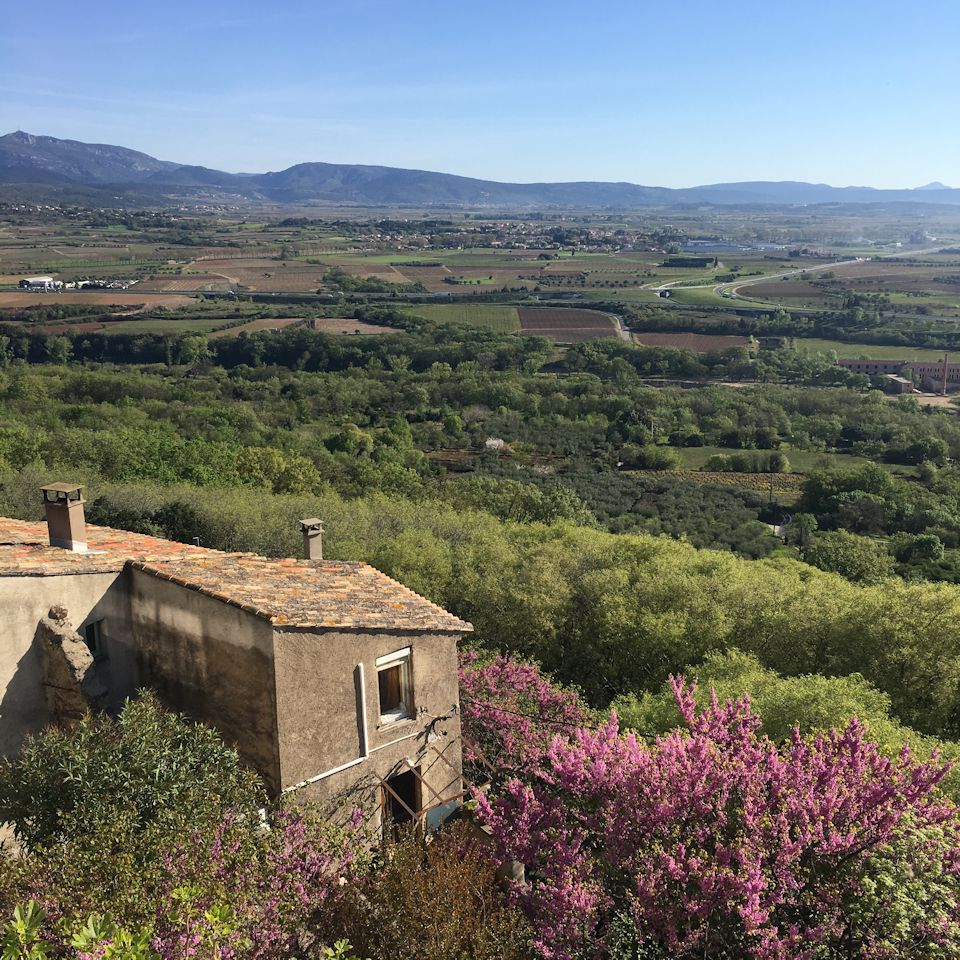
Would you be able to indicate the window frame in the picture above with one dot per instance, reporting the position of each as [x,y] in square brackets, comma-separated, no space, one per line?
[97,645]
[402,660]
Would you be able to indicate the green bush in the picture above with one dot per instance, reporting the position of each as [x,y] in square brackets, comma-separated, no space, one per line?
[150,766]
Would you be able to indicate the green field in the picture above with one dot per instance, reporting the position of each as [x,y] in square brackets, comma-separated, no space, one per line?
[705,297]
[801,461]
[628,294]
[171,325]
[496,317]
[867,351]
[939,303]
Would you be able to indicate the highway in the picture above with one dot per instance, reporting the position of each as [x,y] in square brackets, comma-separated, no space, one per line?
[731,289]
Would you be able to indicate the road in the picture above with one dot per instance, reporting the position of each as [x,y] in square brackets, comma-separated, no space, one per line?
[622,332]
[731,290]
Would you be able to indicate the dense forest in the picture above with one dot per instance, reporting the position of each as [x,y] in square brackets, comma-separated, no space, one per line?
[490,483]
[546,497]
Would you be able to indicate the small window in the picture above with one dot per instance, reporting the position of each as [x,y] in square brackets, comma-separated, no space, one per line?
[96,640]
[394,683]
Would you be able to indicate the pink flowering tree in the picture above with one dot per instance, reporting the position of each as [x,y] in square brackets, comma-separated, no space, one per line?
[250,900]
[714,842]
[223,894]
[511,714]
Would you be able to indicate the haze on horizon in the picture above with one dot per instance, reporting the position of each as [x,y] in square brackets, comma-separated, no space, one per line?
[855,94]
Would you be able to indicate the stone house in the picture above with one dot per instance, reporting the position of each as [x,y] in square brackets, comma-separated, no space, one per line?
[331,679]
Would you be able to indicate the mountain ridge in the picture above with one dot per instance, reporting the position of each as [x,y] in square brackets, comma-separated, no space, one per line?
[38,163]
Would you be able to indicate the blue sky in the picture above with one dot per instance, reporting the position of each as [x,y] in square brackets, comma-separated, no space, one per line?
[673,94]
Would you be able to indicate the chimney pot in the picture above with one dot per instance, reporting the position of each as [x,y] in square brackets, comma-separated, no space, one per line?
[66,526]
[312,530]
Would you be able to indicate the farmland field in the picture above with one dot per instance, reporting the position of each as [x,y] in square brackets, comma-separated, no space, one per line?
[263,323]
[172,324]
[697,342]
[865,351]
[566,325]
[793,291]
[347,325]
[496,317]
[265,274]
[89,326]
[700,296]
[191,281]
[129,301]
[787,487]
[801,461]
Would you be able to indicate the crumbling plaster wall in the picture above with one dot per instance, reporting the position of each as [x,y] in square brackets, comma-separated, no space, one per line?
[25,601]
[72,685]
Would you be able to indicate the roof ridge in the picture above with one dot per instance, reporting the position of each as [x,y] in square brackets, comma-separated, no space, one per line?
[344,608]
[419,596]
[292,591]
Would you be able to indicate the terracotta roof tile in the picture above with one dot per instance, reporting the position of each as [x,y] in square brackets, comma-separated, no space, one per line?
[25,550]
[307,593]
[288,592]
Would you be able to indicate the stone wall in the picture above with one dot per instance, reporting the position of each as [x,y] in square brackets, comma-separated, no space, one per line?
[211,661]
[320,723]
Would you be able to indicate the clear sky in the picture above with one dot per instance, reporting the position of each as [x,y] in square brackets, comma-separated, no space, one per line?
[672,94]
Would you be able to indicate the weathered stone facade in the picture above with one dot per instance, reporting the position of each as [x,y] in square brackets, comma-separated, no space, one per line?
[293,661]
[70,679]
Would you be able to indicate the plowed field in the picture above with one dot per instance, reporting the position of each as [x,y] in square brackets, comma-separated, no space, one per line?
[566,326]
[129,301]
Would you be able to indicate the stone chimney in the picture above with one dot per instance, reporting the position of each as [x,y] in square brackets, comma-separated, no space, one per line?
[312,530]
[66,526]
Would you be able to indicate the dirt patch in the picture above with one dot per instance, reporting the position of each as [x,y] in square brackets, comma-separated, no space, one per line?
[266,275]
[194,281]
[948,403]
[376,271]
[129,301]
[345,325]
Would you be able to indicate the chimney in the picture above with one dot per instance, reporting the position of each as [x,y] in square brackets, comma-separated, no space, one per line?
[66,526]
[312,530]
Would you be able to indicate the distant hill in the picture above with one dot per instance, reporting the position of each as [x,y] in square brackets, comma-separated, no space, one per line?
[37,166]
[25,158]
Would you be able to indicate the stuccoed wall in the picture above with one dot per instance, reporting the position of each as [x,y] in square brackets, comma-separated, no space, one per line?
[318,713]
[211,661]
[24,601]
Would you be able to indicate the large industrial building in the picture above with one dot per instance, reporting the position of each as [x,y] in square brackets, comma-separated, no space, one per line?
[939,373]
[41,284]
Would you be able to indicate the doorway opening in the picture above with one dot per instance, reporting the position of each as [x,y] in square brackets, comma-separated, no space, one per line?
[401,797]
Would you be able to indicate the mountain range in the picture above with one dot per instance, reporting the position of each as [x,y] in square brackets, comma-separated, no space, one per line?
[35,167]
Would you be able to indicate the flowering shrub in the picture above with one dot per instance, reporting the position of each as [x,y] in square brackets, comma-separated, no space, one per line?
[718,843]
[511,714]
[234,890]
[151,828]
